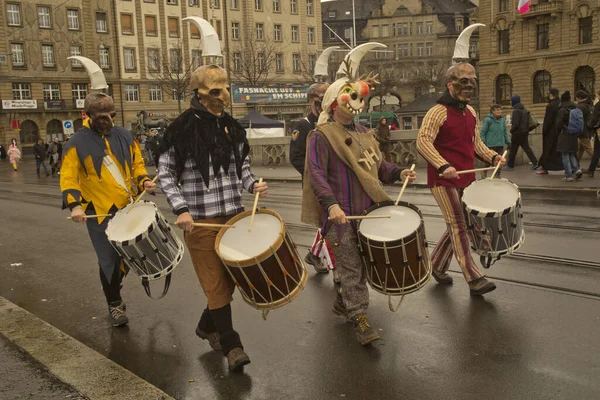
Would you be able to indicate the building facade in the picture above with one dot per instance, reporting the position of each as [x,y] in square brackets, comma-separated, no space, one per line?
[145,49]
[555,45]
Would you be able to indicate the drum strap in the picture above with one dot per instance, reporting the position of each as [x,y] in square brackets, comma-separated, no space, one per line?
[146,284]
[110,165]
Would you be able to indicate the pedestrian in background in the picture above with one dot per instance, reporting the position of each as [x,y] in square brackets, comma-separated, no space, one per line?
[14,154]
[584,103]
[2,152]
[550,160]
[494,134]
[568,142]
[595,124]
[39,150]
[383,137]
[54,149]
[519,130]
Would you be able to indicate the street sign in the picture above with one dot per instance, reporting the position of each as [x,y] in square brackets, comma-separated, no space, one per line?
[68,127]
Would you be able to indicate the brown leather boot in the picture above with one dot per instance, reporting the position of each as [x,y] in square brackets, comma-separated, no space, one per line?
[442,277]
[364,333]
[481,286]
[213,339]
[236,359]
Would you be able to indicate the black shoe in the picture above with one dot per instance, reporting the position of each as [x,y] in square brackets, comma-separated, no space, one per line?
[316,262]
[481,286]
[364,333]
[117,314]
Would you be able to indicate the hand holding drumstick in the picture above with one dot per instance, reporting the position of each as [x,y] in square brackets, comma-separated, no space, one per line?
[260,189]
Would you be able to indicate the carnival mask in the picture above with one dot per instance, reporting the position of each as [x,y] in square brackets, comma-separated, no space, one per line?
[210,82]
[351,98]
[462,82]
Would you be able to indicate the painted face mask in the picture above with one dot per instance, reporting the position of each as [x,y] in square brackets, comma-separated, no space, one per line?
[210,82]
[463,83]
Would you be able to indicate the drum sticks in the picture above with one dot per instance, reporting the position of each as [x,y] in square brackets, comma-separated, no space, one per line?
[254,207]
[498,165]
[368,217]
[468,171]
[412,168]
[203,225]
[143,193]
[95,216]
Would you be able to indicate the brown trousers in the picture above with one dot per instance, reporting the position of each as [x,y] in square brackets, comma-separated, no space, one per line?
[214,278]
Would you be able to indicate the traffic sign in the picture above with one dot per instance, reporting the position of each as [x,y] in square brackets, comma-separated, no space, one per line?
[68,127]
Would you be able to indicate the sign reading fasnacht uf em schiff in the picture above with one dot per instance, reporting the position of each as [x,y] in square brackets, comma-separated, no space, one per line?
[265,94]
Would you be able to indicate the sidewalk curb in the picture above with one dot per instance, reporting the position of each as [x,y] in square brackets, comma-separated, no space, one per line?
[86,370]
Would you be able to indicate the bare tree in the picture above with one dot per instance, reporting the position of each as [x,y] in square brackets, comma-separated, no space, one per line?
[429,74]
[172,71]
[254,62]
[388,78]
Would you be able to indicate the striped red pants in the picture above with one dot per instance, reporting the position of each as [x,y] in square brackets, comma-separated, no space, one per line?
[456,239]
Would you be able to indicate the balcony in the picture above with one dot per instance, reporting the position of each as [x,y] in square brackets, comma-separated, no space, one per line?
[539,8]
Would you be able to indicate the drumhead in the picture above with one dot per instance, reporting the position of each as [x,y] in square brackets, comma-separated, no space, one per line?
[403,222]
[488,196]
[239,244]
[127,225]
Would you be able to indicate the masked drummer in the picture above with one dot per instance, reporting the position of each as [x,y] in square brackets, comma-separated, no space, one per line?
[89,186]
[344,167]
[448,147]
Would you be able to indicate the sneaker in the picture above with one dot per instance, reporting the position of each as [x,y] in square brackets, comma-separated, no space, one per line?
[565,179]
[316,262]
[442,277]
[213,339]
[236,359]
[117,314]
[541,172]
[481,286]
[578,174]
[339,308]
[364,333]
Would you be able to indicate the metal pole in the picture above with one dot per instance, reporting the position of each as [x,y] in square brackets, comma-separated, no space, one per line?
[353,25]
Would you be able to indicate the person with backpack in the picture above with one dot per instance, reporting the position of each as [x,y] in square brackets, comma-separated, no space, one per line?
[494,133]
[519,130]
[569,124]
[595,124]
[584,103]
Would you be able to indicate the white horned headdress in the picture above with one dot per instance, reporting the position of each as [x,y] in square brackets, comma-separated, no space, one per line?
[97,78]
[461,48]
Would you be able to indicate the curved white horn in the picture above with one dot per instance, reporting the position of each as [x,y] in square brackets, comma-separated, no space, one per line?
[95,73]
[211,47]
[356,54]
[322,63]
[461,49]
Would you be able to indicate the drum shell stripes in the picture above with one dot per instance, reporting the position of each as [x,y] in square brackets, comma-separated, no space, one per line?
[400,266]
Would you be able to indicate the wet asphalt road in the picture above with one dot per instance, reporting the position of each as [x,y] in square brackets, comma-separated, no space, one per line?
[522,341]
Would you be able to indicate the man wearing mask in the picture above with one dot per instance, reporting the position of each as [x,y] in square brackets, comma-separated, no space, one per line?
[550,159]
[102,168]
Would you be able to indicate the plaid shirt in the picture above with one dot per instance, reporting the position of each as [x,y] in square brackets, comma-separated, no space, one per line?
[222,198]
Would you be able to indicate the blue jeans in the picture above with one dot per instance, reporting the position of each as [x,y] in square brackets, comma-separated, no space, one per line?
[38,162]
[570,163]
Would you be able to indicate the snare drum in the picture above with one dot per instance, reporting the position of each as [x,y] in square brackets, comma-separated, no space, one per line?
[394,250]
[495,220]
[264,263]
[146,242]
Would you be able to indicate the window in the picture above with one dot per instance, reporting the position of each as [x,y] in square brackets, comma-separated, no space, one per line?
[129,59]
[585,30]
[543,36]
[104,57]
[429,49]
[258,6]
[277,32]
[503,89]
[237,61]
[420,49]
[310,7]
[262,62]
[235,30]
[419,28]
[79,91]
[312,60]
[172,2]
[276,6]
[175,57]
[173,27]
[76,51]
[429,27]
[503,5]
[294,6]
[44,17]
[406,50]
[155,93]
[17,54]
[311,35]
[385,31]
[296,62]
[127,24]
[21,91]
[542,82]
[348,33]
[47,55]
[194,31]
[331,34]
[51,91]
[503,41]
[458,23]
[13,14]
[218,28]
[73,20]
[101,24]
[196,58]
[178,95]
[375,33]
[150,21]
[260,32]
[235,4]
[132,92]
[193,3]
[585,79]
[407,123]
[153,60]
[295,35]
[216,4]
[279,62]
[331,14]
